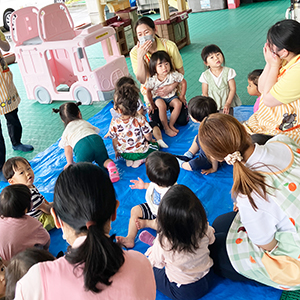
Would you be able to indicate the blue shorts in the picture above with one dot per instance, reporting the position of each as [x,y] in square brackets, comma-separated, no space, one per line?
[167,100]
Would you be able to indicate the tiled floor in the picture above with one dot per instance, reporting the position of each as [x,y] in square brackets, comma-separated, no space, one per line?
[240,33]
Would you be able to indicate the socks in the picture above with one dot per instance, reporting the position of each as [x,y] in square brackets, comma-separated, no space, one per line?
[180,161]
[146,237]
[189,154]
[113,172]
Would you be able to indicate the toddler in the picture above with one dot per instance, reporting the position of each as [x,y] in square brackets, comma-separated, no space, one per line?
[162,170]
[131,133]
[252,87]
[162,73]
[218,81]
[19,231]
[83,138]
[18,170]
[180,254]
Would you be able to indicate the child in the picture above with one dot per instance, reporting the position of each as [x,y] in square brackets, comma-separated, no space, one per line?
[162,73]
[140,110]
[162,170]
[19,266]
[17,230]
[218,81]
[2,280]
[131,133]
[180,255]
[252,87]
[9,102]
[199,108]
[83,138]
[18,170]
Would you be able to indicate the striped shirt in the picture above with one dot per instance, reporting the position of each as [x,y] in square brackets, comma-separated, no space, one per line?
[36,199]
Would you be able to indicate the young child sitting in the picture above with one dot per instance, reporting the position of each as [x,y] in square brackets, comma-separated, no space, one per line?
[131,133]
[18,170]
[162,73]
[17,230]
[162,169]
[252,87]
[180,254]
[199,108]
[83,138]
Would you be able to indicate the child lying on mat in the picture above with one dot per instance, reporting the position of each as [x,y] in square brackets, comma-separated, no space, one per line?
[162,169]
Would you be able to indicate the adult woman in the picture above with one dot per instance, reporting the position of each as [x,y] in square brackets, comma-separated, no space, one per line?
[279,107]
[95,267]
[262,240]
[140,57]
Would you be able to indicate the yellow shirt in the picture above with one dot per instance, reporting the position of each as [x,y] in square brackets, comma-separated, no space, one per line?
[2,36]
[287,88]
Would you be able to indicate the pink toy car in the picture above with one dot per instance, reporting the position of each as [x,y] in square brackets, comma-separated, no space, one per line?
[51,54]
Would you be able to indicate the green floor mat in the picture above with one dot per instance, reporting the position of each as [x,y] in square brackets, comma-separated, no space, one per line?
[291,295]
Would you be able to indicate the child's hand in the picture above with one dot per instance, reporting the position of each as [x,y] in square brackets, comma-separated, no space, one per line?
[151,108]
[167,89]
[107,135]
[226,109]
[208,171]
[67,165]
[137,184]
[117,154]
[182,99]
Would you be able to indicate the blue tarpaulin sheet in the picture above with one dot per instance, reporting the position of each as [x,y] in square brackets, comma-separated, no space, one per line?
[213,190]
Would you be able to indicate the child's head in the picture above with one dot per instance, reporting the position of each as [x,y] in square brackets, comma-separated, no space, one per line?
[181,219]
[123,80]
[212,56]
[253,82]
[15,201]
[68,112]
[2,279]
[126,99]
[201,106]
[18,170]
[19,266]
[160,63]
[162,168]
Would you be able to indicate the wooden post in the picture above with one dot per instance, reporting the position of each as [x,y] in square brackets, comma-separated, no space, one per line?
[164,10]
[181,5]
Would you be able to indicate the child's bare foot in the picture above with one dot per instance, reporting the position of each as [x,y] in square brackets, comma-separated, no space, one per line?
[125,241]
[137,163]
[173,128]
[129,163]
[170,132]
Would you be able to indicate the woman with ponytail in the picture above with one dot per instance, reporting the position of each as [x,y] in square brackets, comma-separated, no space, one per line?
[95,267]
[83,139]
[261,240]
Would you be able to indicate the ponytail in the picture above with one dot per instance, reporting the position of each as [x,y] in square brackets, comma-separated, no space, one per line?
[68,111]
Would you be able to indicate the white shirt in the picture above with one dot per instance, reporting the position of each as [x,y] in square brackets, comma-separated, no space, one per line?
[218,80]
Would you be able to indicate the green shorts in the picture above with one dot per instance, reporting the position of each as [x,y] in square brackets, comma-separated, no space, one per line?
[136,156]
[47,221]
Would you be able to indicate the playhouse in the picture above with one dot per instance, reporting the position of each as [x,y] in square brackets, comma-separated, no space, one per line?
[51,54]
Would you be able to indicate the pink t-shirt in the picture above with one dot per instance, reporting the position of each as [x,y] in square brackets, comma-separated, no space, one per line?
[18,234]
[56,280]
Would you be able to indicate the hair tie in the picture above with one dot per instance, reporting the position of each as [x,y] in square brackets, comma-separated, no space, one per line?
[232,158]
[89,224]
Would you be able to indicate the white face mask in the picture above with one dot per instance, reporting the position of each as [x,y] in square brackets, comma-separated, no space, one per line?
[145,38]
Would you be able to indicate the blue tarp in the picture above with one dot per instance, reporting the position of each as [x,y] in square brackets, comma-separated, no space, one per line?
[213,190]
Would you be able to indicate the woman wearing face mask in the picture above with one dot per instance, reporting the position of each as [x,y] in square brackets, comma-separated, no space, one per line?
[279,107]
[140,56]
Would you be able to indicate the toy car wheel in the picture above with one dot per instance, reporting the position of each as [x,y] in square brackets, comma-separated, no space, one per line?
[6,19]
[83,95]
[42,95]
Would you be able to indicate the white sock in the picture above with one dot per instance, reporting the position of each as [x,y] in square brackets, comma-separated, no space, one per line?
[162,144]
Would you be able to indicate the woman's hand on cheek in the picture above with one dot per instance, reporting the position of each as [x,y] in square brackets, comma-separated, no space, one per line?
[143,49]
[271,58]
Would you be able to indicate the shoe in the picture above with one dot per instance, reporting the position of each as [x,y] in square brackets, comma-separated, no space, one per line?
[22,147]
[113,172]
[2,178]
[146,237]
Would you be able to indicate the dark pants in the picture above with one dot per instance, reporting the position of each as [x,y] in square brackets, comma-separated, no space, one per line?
[191,291]
[260,139]
[14,128]
[222,265]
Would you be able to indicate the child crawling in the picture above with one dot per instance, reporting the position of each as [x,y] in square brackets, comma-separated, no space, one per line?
[162,169]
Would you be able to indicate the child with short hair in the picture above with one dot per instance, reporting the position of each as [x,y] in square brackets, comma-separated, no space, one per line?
[19,231]
[252,87]
[180,255]
[162,169]
[83,139]
[17,170]
[131,133]
[199,107]
[162,73]
[218,81]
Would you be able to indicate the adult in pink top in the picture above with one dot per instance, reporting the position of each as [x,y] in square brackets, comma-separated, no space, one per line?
[17,230]
[95,267]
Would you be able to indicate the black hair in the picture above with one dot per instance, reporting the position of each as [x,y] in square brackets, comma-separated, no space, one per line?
[161,56]
[201,106]
[254,75]
[68,112]
[181,219]
[126,99]
[145,20]
[162,168]
[285,34]
[210,49]
[83,192]
[11,165]
[19,266]
[14,200]
[124,80]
